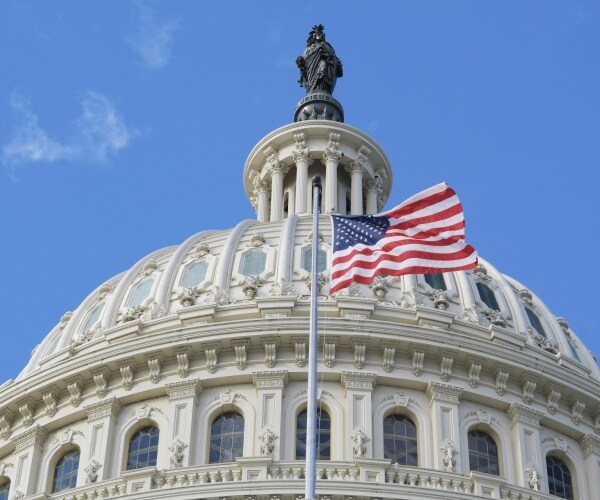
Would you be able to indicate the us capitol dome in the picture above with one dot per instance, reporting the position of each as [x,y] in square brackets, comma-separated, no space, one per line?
[185,376]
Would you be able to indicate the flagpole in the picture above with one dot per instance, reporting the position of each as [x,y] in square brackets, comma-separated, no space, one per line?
[310,474]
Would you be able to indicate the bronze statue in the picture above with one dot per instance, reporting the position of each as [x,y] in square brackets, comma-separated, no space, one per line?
[319,66]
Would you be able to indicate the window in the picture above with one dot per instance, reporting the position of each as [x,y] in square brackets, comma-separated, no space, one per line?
[140,292]
[321,260]
[226,438]
[400,440]
[253,263]
[436,281]
[323,435]
[560,483]
[93,318]
[194,274]
[535,322]
[4,489]
[487,296]
[143,448]
[65,472]
[573,349]
[483,453]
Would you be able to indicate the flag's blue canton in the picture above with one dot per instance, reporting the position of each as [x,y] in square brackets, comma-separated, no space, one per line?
[365,229]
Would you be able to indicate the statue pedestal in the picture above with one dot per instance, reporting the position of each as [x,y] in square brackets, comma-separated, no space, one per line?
[319,106]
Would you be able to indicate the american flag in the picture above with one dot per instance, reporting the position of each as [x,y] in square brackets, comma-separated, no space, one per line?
[423,235]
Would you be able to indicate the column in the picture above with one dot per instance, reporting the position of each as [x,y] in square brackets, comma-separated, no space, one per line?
[358,388]
[183,401]
[102,418]
[372,193]
[269,388]
[261,190]
[28,452]
[443,403]
[331,157]
[276,192]
[527,454]
[356,170]
[302,159]
[291,201]
[590,444]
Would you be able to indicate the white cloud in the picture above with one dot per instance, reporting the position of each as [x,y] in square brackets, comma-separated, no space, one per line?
[30,142]
[99,131]
[152,39]
[102,130]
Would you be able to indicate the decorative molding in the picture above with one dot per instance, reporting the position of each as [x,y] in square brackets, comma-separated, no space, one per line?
[50,399]
[300,353]
[501,382]
[211,358]
[558,442]
[329,354]
[358,380]
[66,437]
[4,466]
[448,452]
[590,444]
[270,354]
[446,368]
[411,299]
[379,287]
[533,478]
[359,440]
[389,361]
[27,410]
[270,379]
[359,356]
[552,397]
[400,400]
[240,347]
[144,412]
[91,471]
[6,421]
[176,453]
[417,363]
[101,377]
[32,437]
[183,362]
[109,408]
[528,391]
[183,390]
[301,152]
[154,368]
[267,442]
[443,392]
[127,371]
[517,413]
[597,423]
[75,392]
[283,288]
[577,408]
[333,152]
[474,374]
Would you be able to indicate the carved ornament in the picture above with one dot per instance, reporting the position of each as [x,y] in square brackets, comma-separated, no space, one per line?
[358,380]
[517,413]
[103,409]
[443,392]
[183,390]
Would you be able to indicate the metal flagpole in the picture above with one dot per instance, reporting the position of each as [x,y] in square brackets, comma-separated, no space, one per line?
[311,412]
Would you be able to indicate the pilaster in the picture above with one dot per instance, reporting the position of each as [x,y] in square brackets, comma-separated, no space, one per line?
[359,389]
[302,159]
[527,453]
[102,418]
[444,400]
[269,388]
[590,445]
[183,402]
[331,157]
[28,452]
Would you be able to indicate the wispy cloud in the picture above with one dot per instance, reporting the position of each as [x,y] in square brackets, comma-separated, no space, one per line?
[152,39]
[99,132]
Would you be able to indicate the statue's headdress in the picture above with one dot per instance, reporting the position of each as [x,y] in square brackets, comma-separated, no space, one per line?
[318,29]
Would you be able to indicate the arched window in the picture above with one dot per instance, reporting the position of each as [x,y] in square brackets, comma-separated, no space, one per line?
[4,489]
[400,440]
[487,296]
[253,263]
[483,453]
[194,274]
[140,292]
[535,322]
[323,435]
[226,438]
[560,483]
[93,317]
[143,448]
[65,471]
[436,281]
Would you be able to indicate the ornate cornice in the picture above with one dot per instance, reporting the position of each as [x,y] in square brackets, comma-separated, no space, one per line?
[590,444]
[443,392]
[184,390]
[102,409]
[359,380]
[523,414]
[270,379]
[32,437]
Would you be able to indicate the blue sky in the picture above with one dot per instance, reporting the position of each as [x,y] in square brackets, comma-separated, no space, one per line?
[124,127]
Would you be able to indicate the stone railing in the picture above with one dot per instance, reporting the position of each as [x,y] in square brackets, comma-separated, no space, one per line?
[426,478]
[105,489]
